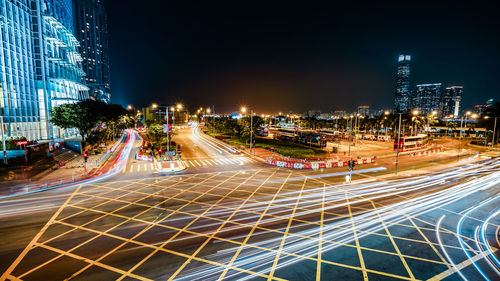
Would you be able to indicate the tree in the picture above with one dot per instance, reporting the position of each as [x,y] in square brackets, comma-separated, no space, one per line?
[244,123]
[85,116]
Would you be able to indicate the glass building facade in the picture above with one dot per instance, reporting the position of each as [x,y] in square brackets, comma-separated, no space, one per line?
[427,98]
[450,101]
[402,97]
[40,66]
[19,102]
[92,32]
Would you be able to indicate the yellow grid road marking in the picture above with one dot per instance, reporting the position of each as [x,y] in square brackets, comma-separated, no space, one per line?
[318,264]
[240,248]
[282,243]
[393,242]
[149,226]
[225,240]
[37,236]
[188,225]
[360,254]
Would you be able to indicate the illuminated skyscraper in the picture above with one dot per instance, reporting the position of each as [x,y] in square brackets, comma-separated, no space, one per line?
[426,98]
[402,97]
[91,30]
[450,101]
[40,66]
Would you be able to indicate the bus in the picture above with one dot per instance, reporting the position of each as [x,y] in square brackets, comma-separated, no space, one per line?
[286,135]
[410,142]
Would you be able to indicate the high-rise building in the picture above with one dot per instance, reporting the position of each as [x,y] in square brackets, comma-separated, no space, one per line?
[427,98]
[402,97]
[91,30]
[364,110]
[450,101]
[40,66]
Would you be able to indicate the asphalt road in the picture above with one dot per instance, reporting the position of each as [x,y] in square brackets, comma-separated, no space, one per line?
[200,154]
[251,221]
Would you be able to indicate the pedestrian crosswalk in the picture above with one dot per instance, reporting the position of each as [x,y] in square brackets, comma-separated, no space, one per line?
[144,167]
[197,163]
[138,167]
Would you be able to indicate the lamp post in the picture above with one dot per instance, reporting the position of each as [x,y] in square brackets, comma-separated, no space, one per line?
[398,143]
[244,110]
[387,112]
[460,136]
[433,113]
[167,108]
[494,130]
[414,126]
[349,138]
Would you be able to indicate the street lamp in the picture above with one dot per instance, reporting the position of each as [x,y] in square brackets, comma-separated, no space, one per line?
[129,107]
[244,110]
[461,128]
[414,126]
[494,130]
[398,143]
[433,113]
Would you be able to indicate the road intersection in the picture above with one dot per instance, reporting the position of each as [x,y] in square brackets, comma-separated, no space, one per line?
[255,222]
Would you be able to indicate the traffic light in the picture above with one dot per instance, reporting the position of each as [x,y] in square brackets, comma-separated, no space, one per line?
[351,164]
[85,156]
[160,150]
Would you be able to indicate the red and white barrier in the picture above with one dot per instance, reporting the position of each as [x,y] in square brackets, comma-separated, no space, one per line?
[299,164]
[427,152]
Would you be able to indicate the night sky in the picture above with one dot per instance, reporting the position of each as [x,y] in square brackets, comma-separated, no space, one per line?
[281,55]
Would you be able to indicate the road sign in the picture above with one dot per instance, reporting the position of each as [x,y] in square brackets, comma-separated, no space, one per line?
[272,147]
[164,128]
[179,151]
[170,153]
[170,128]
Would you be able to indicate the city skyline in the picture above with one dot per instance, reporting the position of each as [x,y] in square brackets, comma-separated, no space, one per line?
[300,56]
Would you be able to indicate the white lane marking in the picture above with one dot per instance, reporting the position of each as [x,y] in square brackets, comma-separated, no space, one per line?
[197,162]
[185,163]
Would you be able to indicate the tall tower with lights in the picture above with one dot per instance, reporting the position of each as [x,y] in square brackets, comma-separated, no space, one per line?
[402,97]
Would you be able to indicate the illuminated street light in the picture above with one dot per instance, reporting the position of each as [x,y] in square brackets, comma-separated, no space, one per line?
[154,106]
[179,106]
[415,112]
[129,107]
[208,110]
[387,112]
[244,110]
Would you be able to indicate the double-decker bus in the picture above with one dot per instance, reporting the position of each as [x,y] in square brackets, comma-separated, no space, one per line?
[312,138]
[410,142]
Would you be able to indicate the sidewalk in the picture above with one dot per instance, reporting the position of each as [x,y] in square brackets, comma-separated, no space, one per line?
[73,172]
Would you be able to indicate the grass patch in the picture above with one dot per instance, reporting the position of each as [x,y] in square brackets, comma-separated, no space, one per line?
[285,149]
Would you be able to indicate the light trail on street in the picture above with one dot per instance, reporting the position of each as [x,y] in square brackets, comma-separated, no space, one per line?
[264,222]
